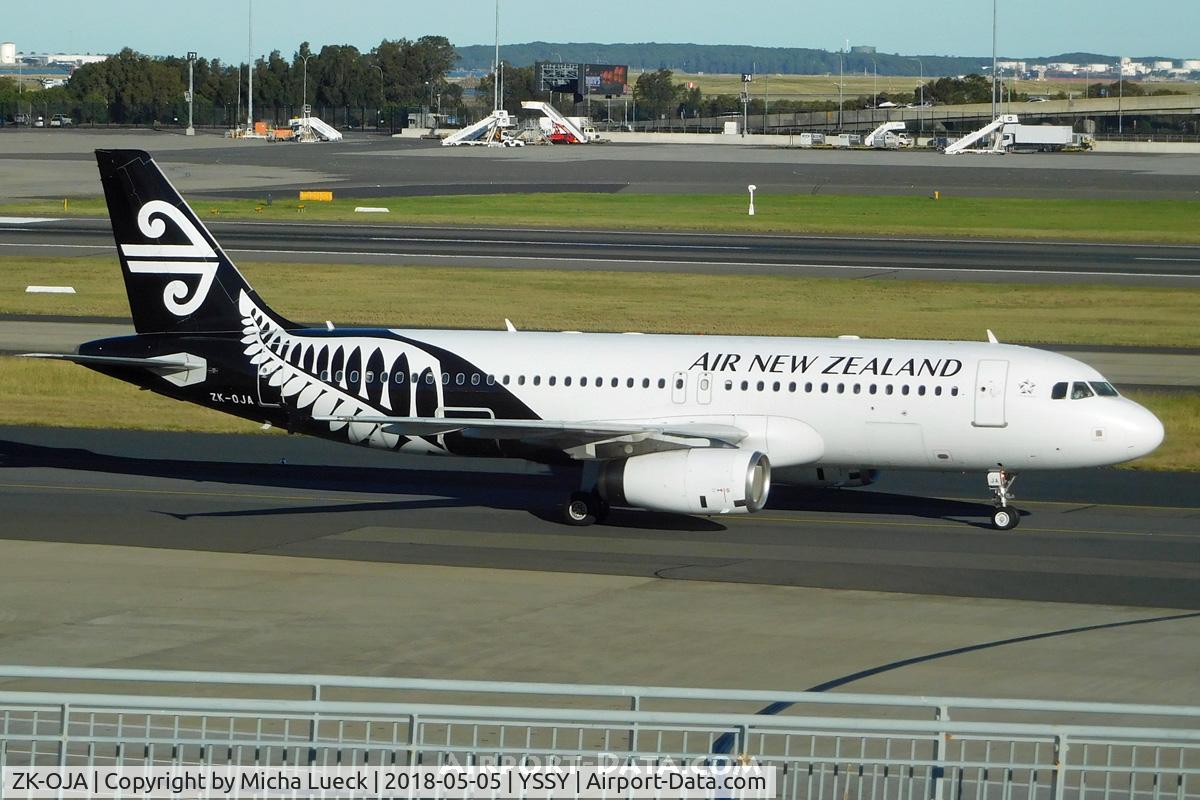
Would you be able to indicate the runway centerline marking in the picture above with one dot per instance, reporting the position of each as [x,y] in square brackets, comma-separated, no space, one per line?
[556,243]
[681,233]
[1160,258]
[678,262]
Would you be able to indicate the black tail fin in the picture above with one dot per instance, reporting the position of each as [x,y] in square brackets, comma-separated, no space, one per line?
[178,278]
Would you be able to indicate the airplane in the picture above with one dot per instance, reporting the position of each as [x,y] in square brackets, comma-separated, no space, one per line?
[697,425]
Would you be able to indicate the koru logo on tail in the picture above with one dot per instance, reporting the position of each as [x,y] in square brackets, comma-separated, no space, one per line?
[196,258]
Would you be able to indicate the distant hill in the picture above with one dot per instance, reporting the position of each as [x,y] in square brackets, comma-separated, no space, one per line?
[721,58]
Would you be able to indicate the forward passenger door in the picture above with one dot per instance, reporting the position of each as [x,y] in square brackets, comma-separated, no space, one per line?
[991,378]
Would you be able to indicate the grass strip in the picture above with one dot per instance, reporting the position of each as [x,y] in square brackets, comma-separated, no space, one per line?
[1098,220]
[66,395]
[651,302]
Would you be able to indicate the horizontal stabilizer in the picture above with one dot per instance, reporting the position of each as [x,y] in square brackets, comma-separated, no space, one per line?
[181,369]
[157,362]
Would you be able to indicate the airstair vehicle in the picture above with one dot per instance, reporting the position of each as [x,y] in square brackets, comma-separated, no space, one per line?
[968,143]
[563,129]
[488,131]
[879,136]
[312,129]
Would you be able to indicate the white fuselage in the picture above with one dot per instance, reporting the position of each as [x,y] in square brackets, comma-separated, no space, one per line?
[831,402]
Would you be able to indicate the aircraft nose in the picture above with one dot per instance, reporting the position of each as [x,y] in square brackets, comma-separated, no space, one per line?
[1145,431]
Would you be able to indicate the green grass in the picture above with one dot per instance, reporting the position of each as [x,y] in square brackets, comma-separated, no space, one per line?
[655,302]
[63,395]
[825,87]
[58,394]
[1159,221]
[1180,415]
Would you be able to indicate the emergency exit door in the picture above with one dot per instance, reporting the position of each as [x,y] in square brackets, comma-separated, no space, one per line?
[991,378]
[679,387]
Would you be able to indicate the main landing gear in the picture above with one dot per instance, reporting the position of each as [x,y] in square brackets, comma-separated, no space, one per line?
[584,508]
[1004,517]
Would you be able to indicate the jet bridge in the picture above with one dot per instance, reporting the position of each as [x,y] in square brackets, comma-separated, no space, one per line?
[968,142]
[557,120]
[485,131]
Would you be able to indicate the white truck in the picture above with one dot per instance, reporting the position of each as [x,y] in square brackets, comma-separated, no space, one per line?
[1017,138]
[584,124]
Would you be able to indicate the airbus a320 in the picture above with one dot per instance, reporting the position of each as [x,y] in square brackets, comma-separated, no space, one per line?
[685,424]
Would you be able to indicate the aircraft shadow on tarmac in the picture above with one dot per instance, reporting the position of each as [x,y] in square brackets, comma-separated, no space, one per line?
[535,494]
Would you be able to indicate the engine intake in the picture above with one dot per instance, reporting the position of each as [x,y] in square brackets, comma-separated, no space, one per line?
[695,481]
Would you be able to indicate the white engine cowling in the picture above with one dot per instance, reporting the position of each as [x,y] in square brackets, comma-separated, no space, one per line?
[695,481]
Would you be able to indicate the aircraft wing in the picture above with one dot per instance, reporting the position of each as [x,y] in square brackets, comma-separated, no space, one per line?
[560,434]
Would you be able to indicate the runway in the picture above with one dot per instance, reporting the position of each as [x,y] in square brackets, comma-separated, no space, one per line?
[853,257]
[1098,536]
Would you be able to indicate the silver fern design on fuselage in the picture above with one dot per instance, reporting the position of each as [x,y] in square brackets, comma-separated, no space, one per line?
[319,376]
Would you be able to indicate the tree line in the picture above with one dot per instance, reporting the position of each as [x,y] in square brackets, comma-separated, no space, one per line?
[133,88]
[734,59]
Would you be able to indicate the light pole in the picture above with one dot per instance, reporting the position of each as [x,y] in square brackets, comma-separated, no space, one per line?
[1120,100]
[304,91]
[250,70]
[993,59]
[920,121]
[1087,76]
[875,70]
[191,129]
[840,83]
[496,63]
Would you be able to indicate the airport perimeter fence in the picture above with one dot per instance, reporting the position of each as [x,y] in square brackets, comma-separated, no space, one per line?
[824,745]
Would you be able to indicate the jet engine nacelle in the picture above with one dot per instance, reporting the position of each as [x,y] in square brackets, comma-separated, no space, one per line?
[695,481]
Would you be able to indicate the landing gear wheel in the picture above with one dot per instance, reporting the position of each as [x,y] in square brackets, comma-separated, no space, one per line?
[1005,518]
[582,508]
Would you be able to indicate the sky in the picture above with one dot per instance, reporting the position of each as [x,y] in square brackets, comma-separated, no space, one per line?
[217,28]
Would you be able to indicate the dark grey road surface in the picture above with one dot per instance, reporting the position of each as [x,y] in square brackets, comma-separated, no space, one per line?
[1028,262]
[373,166]
[1097,536]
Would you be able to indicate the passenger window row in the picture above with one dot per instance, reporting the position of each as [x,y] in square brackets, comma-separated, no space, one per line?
[843,388]
[476,379]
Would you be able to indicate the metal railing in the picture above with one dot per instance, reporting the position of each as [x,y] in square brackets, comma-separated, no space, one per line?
[824,744]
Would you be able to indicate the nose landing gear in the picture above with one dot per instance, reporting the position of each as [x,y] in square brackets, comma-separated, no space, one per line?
[1004,517]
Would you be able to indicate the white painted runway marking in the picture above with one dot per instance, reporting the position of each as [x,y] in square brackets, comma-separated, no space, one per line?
[556,243]
[659,262]
[24,220]
[802,237]
[1152,258]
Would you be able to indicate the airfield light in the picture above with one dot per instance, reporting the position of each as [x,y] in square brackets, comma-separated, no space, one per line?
[752,188]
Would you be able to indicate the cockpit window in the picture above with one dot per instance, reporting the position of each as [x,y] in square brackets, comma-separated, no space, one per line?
[1103,388]
[1080,390]
[1059,391]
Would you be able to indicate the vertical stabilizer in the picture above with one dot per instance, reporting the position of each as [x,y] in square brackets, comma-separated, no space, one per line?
[178,278]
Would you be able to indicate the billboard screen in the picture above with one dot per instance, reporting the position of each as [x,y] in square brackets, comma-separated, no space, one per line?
[608,79]
[551,77]
[581,79]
